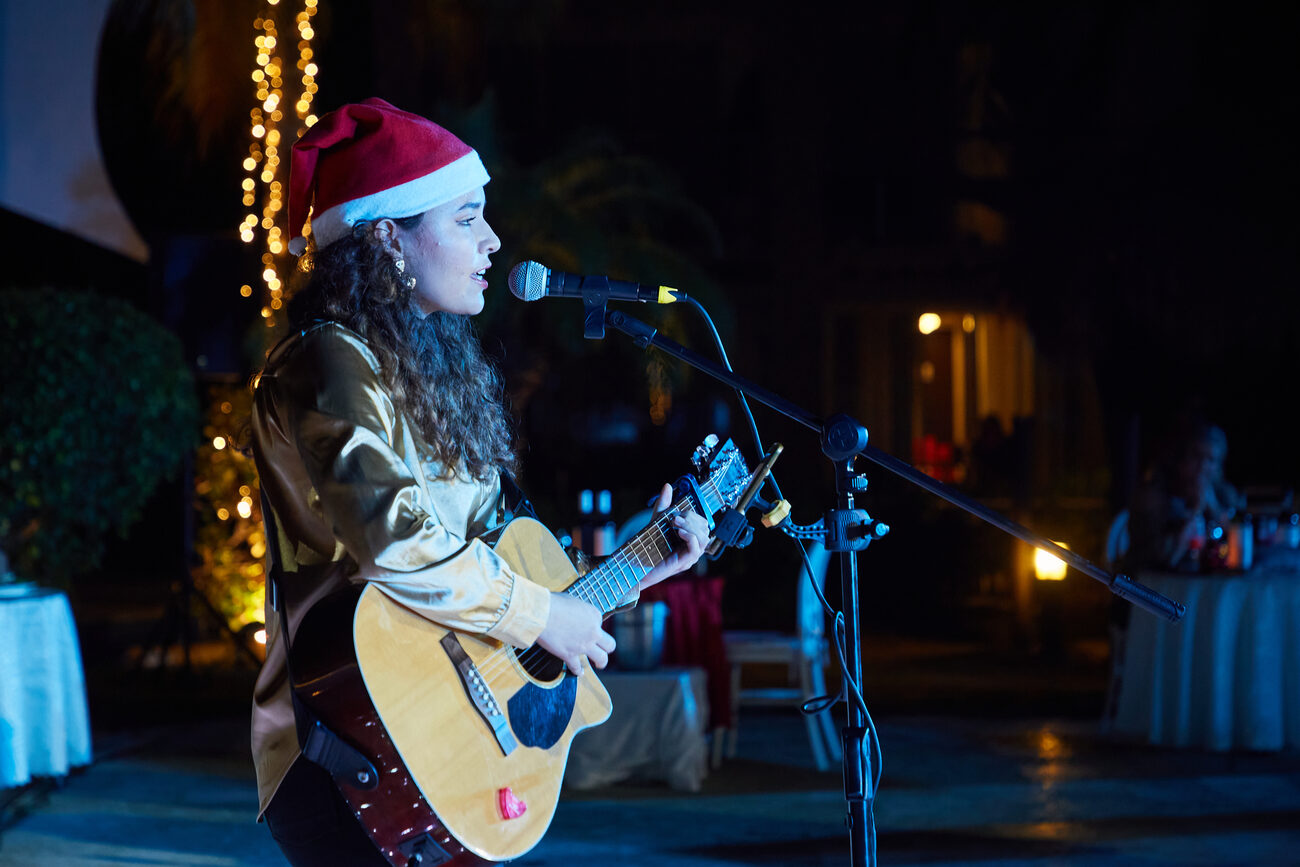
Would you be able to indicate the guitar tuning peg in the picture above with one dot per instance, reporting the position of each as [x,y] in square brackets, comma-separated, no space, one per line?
[701,453]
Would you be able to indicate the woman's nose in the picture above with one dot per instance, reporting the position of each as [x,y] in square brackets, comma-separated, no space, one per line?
[491,243]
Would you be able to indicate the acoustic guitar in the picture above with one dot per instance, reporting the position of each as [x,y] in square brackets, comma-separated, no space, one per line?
[461,741]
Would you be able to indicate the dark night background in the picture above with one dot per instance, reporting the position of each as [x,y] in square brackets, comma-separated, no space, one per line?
[805,159]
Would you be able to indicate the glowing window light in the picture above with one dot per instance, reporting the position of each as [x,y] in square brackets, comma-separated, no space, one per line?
[1047,566]
[928,323]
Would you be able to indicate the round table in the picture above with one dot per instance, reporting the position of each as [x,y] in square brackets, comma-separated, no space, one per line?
[44,723]
[1226,677]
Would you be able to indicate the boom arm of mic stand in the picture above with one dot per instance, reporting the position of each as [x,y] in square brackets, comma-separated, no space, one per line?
[1121,585]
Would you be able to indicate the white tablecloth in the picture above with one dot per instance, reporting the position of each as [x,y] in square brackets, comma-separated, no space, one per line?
[44,724]
[656,732]
[1226,677]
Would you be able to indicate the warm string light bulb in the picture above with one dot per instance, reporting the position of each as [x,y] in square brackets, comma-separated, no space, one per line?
[263,163]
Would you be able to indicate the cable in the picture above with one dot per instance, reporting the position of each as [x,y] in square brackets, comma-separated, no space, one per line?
[744,402]
[849,688]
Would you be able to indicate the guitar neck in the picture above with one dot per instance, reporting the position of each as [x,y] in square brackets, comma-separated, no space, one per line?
[610,582]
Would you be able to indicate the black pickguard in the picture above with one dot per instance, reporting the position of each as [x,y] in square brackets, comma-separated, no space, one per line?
[539,715]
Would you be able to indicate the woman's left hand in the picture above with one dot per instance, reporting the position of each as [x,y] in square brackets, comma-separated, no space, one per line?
[693,532]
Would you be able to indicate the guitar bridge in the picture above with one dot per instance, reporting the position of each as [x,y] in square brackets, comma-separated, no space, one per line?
[480,696]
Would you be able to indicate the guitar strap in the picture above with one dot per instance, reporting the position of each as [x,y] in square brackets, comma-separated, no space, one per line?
[317,743]
[516,501]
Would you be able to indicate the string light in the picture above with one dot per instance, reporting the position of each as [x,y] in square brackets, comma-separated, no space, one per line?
[280,113]
[262,165]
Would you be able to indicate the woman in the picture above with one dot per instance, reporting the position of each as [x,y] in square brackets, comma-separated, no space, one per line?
[380,435]
[1180,499]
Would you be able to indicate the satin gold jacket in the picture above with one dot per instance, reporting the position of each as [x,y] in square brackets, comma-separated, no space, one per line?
[355,498]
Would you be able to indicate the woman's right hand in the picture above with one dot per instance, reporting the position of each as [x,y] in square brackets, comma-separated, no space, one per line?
[573,633]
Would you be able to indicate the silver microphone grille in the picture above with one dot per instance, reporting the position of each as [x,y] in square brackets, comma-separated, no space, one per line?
[528,280]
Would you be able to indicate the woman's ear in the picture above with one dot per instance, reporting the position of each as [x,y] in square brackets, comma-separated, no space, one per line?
[385,232]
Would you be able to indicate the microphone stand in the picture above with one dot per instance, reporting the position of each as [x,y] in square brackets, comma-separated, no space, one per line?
[843,440]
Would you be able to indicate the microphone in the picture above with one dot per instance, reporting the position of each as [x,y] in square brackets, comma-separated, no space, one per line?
[530,281]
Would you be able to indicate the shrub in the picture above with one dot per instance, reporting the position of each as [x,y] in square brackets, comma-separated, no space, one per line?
[98,407]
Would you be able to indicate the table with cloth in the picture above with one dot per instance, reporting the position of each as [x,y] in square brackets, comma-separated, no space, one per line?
[659,728]
[1225,677]
[44,722]
[656,732]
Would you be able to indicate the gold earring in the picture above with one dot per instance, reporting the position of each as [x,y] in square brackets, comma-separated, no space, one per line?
[407,279]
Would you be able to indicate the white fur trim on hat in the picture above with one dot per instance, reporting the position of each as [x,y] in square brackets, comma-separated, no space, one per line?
[404,200]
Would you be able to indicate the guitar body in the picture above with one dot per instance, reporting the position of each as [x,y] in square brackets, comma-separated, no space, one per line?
[468,736]
[446,744]
[404,702]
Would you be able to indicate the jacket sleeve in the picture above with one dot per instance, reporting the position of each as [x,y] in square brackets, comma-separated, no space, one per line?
[351,442]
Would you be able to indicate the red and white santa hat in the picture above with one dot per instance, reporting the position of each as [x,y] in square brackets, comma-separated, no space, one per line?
[368,160]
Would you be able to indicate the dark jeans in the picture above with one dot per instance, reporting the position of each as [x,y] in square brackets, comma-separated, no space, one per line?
[314,826]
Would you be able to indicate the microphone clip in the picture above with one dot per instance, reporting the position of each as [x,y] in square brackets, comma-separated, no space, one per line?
[595,297]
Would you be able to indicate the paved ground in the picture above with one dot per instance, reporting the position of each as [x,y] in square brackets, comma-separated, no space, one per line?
[986,761]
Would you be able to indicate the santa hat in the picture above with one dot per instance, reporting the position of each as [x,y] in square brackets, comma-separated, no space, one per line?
[369,160]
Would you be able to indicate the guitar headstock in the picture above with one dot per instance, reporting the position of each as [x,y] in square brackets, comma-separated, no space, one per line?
[722,475]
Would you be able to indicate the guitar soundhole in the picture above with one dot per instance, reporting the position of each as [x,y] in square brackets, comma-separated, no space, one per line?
[541,665]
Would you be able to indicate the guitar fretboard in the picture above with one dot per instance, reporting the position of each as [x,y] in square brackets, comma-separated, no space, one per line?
[609,583]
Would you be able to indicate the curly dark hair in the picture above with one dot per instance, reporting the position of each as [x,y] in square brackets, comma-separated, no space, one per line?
[463,418]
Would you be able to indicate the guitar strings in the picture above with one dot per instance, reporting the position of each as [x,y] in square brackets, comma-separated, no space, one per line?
[493,662]
[589,586]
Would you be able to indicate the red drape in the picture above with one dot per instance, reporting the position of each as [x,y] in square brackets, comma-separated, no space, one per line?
[693,635]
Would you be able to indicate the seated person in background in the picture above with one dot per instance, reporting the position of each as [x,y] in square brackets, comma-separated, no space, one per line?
[1183,496]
